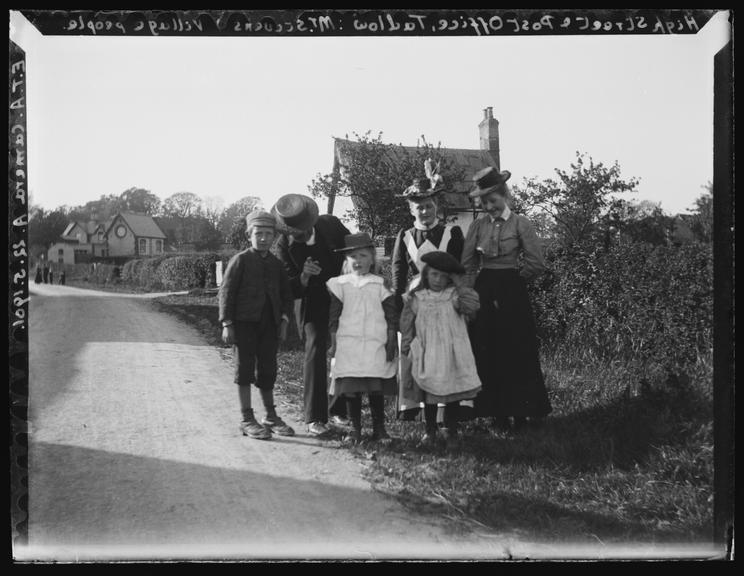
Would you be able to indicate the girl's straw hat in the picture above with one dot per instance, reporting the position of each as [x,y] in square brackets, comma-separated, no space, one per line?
[354,241]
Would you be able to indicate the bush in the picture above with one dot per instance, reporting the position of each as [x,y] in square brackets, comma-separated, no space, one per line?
[634,301]
[148,277]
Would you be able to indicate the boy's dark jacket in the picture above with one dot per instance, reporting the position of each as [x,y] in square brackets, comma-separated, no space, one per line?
[247,281]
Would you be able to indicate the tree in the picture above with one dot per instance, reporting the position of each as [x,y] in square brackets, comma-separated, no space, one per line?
[182,204]
[232,221]
[45,228]
[701,219]
[645,221]
[213,207]
[581,204]
[373,172]
[140,200]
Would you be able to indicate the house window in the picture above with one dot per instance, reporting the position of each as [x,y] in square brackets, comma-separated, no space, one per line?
[143,246]
[61,252]
[158,246]
[60,260]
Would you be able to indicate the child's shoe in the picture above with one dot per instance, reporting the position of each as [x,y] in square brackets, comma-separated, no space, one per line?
[379,433]
[428,440]
[317,429]
[254,430]
[451,438]
[353,437]
[277,425]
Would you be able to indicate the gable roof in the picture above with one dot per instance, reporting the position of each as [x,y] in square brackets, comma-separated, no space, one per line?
[471,160]
[141,225]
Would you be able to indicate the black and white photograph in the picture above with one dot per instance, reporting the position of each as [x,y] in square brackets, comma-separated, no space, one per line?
[423,285]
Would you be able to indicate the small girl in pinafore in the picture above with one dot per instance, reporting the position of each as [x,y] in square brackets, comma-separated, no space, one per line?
[435,340]
[363,324]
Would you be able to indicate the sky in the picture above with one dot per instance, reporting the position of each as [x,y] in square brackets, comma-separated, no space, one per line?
[235,117]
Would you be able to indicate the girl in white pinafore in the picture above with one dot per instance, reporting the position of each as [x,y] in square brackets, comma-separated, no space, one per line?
[435,339]
[363,327]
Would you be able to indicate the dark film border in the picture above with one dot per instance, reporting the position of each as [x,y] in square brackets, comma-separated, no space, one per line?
[423,22]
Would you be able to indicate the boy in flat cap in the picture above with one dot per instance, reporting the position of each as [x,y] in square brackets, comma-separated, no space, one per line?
[255,304]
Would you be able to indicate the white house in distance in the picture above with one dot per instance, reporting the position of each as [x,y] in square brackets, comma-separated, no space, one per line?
[135,235]
[125,235]
[79,242]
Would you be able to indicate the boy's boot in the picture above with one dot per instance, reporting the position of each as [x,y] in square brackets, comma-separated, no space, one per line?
[377,407]
[251,428]
[276,424]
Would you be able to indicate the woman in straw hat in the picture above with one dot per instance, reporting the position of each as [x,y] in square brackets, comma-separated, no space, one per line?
[504,335]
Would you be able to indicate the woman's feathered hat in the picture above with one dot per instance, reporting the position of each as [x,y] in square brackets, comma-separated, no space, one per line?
[426,187]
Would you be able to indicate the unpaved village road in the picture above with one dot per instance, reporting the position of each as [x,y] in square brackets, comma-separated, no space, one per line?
[135,453]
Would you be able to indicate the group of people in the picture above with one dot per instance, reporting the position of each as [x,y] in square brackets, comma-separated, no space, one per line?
[46,275]
[452,333]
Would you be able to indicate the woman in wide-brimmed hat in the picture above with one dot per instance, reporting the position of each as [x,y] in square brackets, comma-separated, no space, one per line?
[504,335]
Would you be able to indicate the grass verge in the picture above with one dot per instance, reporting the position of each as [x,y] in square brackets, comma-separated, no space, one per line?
[626,455]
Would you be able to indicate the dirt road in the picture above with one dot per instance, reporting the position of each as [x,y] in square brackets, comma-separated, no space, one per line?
[135,453]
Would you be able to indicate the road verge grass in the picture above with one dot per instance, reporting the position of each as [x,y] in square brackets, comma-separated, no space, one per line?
[626,455]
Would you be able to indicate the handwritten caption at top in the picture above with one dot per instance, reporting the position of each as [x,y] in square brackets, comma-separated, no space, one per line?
[372,23]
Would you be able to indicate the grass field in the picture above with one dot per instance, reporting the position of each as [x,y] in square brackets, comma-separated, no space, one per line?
[626,455]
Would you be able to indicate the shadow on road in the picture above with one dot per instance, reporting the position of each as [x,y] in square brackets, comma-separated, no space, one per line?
[145,507]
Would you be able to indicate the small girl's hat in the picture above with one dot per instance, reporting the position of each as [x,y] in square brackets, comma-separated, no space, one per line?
[489,180]
[355,241]
[443,261]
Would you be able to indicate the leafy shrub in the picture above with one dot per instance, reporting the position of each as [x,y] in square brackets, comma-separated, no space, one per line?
[633,301]
[148,273]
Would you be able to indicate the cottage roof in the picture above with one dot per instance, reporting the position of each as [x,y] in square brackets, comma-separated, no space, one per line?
[471,160]
[141,225]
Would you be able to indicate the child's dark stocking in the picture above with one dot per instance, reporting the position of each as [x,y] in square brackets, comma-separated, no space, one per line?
[451,416]
[354,408]
[430,417]
[377,407]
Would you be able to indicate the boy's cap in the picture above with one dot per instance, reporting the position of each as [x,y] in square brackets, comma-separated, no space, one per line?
[443,261]
[354,241]
[295,213]
[260,218]
[489,180]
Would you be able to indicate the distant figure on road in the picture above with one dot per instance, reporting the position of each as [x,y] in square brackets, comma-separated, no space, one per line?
[45,274]
[62,277]
[51,276]
[255,302]
[307,249]
[38,278]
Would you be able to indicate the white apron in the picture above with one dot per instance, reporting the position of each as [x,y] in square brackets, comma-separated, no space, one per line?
[442,361]
[362,329]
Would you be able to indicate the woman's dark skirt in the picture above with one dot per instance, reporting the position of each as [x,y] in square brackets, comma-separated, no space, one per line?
[505,346]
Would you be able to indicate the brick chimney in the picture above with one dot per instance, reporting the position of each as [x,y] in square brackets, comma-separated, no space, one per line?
[489,135]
